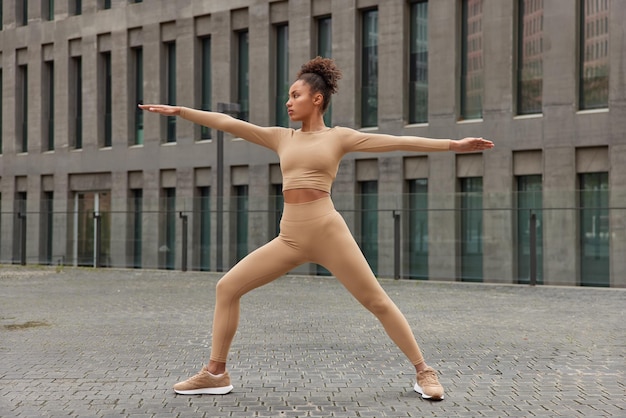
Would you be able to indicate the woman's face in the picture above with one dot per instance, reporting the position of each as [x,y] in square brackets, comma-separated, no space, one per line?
[302,101]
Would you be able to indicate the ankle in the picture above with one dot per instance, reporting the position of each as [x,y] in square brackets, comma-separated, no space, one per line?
[421,367]
[216,368]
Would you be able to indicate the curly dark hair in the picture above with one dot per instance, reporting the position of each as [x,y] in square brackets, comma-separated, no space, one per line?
[322,75]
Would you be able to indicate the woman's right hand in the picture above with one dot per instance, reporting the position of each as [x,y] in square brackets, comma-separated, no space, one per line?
[164,110]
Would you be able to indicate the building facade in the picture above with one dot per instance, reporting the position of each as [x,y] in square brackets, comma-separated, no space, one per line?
[87,179]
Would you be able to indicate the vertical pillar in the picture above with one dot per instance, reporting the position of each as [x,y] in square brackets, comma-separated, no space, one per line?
[560,217]
[119,242]
[344,34]
[392,73]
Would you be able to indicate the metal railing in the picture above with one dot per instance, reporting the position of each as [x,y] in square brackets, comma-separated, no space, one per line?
[515,245]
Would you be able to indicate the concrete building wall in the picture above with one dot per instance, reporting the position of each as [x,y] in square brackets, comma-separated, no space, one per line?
[551,143]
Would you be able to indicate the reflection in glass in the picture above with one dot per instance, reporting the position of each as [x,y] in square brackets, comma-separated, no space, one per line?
[418,63]
[205,132]
[205,228]
[241,221]
[529,200]
[418,229]
[530,57]
[472,229]
[282,74]
[594,229]
[243,75]
[369,69]
[325,49]
[472,60]
[368,206]
[594,54]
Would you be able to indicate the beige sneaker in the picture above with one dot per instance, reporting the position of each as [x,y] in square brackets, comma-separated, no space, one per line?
[428,385]
[204,383]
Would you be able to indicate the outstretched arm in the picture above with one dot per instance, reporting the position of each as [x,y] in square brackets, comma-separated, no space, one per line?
[267,137]
[209,119]
[370,142]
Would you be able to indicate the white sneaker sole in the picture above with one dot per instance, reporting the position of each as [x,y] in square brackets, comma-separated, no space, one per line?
[206,391]
[419,390]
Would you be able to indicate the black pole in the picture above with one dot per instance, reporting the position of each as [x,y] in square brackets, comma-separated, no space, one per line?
[233,110]
[22,217]
[98,226]
[220,203]
[533,249]
[396,245]
[184,243]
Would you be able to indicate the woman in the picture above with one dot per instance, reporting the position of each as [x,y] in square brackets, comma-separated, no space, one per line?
[311,230]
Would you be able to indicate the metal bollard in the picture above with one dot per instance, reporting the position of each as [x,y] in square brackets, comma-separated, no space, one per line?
[22,217]
[184,243]
[396,244]
[98,241]
[533,249]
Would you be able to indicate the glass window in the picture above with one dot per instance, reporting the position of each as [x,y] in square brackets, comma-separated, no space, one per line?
[324,37]
[76,102]
[78,7]
[22,12]
[418,63]
[107,96]
[243,74]
[137,82]
[282,74]
[472,229]
[529,201]
[241,219]
[594,55]
[48,106]
[169,237]
[136,227]
[22,108]
[594,229]
[418,229]
[103,234]
[278,202]
[1,217]
[368,206]
[48,11]
[1,103]
[204,197]
[369,69]
[170,89]
[88,237]
[472,60]
[530,57]
[19,226]
[84,233]
[205,132]
[1,14]
[325,49]
[46,229]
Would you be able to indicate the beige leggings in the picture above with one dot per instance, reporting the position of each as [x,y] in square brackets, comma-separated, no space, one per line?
[309,232]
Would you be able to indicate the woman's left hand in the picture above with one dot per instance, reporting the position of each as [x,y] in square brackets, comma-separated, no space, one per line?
[470,145]
[161,109]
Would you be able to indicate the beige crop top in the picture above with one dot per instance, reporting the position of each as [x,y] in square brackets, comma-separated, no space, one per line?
[310,160]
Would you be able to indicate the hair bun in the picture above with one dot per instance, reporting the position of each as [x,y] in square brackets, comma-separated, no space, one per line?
[325,68]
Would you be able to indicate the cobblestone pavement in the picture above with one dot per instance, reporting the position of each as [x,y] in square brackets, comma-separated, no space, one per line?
[87,343]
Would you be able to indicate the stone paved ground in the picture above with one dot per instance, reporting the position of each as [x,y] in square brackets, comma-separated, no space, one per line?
[87,343]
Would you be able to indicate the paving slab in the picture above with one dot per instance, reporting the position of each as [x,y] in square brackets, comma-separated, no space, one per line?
[78,342]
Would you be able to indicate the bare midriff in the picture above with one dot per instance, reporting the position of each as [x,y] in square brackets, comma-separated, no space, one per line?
[303,195]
